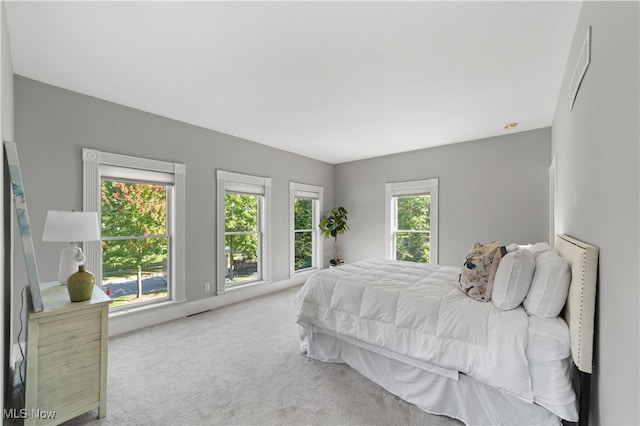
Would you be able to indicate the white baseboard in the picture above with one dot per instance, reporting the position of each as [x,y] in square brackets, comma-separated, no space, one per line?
[137,319]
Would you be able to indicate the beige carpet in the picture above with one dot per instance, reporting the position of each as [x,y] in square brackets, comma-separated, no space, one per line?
[239,365]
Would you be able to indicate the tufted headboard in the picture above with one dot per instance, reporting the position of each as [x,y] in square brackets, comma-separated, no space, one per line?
[579,311]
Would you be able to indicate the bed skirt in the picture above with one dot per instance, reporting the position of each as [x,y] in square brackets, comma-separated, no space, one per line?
[465,399]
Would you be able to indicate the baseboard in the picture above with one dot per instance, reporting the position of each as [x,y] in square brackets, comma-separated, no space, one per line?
[134,320]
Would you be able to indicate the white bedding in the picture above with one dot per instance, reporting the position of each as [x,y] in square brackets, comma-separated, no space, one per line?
[466,399]
[415,313]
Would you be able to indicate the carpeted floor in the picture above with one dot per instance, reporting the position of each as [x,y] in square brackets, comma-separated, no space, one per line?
[239,365]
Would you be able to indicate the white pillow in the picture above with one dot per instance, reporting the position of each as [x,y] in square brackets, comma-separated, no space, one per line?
[550,286]
[535,249]
[513,279]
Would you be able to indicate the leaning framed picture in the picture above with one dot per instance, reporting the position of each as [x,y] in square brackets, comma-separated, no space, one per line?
[23,223]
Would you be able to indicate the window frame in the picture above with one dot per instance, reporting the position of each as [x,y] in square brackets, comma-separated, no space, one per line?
[244,184]
[416,187]
[316,193]
[97,164]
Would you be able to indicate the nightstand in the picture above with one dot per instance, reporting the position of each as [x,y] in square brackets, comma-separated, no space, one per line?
[66,371]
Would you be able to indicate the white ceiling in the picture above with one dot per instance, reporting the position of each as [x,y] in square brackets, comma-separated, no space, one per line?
[335,81]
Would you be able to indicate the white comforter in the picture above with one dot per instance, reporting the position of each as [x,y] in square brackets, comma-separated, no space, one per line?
[417,311]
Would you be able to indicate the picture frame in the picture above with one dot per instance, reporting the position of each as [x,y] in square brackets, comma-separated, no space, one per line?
[22,214]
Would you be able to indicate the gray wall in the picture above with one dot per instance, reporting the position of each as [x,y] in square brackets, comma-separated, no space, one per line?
[6,130]
[598,194]
[489,189]
[53,125]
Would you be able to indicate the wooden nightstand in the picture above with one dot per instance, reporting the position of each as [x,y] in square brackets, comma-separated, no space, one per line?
[66,371]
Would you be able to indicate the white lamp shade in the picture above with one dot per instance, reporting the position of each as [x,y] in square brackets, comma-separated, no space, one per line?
[71,226]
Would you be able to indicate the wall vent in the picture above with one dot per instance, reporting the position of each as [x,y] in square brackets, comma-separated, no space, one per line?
[580,69]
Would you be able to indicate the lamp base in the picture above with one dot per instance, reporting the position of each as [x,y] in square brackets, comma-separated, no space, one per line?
[80,285]
[70,261]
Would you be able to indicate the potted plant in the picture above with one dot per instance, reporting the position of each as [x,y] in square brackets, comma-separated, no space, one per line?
[332,224]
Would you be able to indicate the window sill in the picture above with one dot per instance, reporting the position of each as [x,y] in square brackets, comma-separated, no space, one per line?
[144,308]
[245,286]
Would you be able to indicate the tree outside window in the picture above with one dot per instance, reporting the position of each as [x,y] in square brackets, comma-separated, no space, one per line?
[135,241]
[242,236]
[413,228]
[303,233]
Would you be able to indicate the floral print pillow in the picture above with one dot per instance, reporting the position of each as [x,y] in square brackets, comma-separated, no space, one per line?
[479,270]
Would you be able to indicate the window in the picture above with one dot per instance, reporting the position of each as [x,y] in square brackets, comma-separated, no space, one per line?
[412,221]
[242,235]
[140,258]
[305,244]
[243,212]
[135,240]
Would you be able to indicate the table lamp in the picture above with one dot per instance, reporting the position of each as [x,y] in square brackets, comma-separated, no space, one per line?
[72,227]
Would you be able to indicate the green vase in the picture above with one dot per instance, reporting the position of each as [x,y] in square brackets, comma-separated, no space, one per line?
[80,285]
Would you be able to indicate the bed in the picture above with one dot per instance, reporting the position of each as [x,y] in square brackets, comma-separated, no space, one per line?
[409,328]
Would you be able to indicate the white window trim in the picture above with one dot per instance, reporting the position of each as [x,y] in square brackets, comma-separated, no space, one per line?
[316,193]
[94,164]
[416,187]
[229,181]
[553,190]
